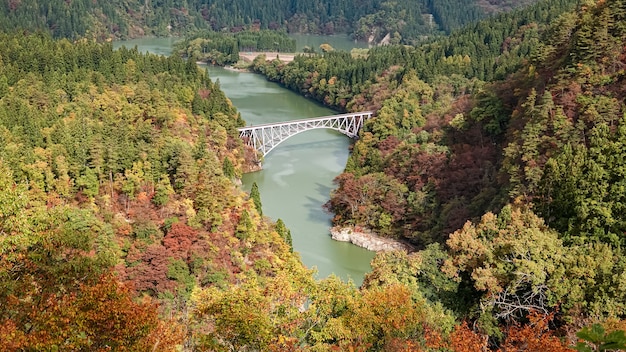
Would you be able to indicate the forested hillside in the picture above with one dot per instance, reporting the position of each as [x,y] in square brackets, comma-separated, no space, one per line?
[370,19]
[497,152]
[121,226]
[500,146]
[116,183]
[419,92]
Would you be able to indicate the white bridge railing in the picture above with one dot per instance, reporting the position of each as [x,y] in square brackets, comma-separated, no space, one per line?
[266,137]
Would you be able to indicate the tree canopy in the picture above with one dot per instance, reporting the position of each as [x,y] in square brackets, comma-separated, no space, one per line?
[496,152]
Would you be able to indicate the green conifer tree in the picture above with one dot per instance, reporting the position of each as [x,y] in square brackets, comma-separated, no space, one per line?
[284,232]
[256,198]
[228,168]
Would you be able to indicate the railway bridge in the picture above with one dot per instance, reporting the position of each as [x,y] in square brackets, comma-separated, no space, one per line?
[268,136]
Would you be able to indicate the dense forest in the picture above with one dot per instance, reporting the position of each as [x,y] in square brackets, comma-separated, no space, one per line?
[496,152]
[499,148]
[367,20]
[419,93]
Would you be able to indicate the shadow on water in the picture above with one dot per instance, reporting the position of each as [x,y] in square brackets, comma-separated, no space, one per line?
[316,210]
[315,206]
[323,190]
[300,145]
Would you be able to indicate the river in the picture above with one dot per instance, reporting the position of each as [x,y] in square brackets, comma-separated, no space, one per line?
[296,179]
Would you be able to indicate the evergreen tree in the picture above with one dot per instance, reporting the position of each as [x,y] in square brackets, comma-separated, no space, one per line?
[228,168]
[256,197]
[284,232]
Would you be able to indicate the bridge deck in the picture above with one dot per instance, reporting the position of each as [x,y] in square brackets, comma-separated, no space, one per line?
[312,119]
[265,137]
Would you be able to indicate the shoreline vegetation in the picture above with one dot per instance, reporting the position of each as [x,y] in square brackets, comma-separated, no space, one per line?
[497,151]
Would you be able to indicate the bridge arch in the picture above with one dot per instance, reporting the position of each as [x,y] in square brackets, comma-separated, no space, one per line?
[264,138]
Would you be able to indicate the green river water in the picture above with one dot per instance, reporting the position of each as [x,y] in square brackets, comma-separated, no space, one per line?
[296,179]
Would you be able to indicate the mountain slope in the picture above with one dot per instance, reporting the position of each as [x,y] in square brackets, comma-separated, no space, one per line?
[364,19]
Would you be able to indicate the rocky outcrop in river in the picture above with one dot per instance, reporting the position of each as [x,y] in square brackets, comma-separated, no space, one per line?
[366,239]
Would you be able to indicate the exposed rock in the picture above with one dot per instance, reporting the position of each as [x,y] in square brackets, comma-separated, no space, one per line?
[269,55]
[366,239]
[252,168]
[386,40]
[136,32]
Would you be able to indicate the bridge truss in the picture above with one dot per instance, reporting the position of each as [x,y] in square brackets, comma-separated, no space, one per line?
[266,137]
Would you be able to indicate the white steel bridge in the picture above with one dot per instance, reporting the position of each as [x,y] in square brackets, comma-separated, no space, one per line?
[267,136]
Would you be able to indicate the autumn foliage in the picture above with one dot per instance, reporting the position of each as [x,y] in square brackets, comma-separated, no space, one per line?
[96,317]
[121,228]
[534,335]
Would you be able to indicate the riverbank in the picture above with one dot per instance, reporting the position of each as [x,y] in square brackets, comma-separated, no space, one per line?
[249,56]
[245,59]
[367,239]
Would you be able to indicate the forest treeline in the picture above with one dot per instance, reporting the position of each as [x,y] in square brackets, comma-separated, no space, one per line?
[365,20]
[499,147]
[496,152]
[417,91]
[121,227]
[487,50]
